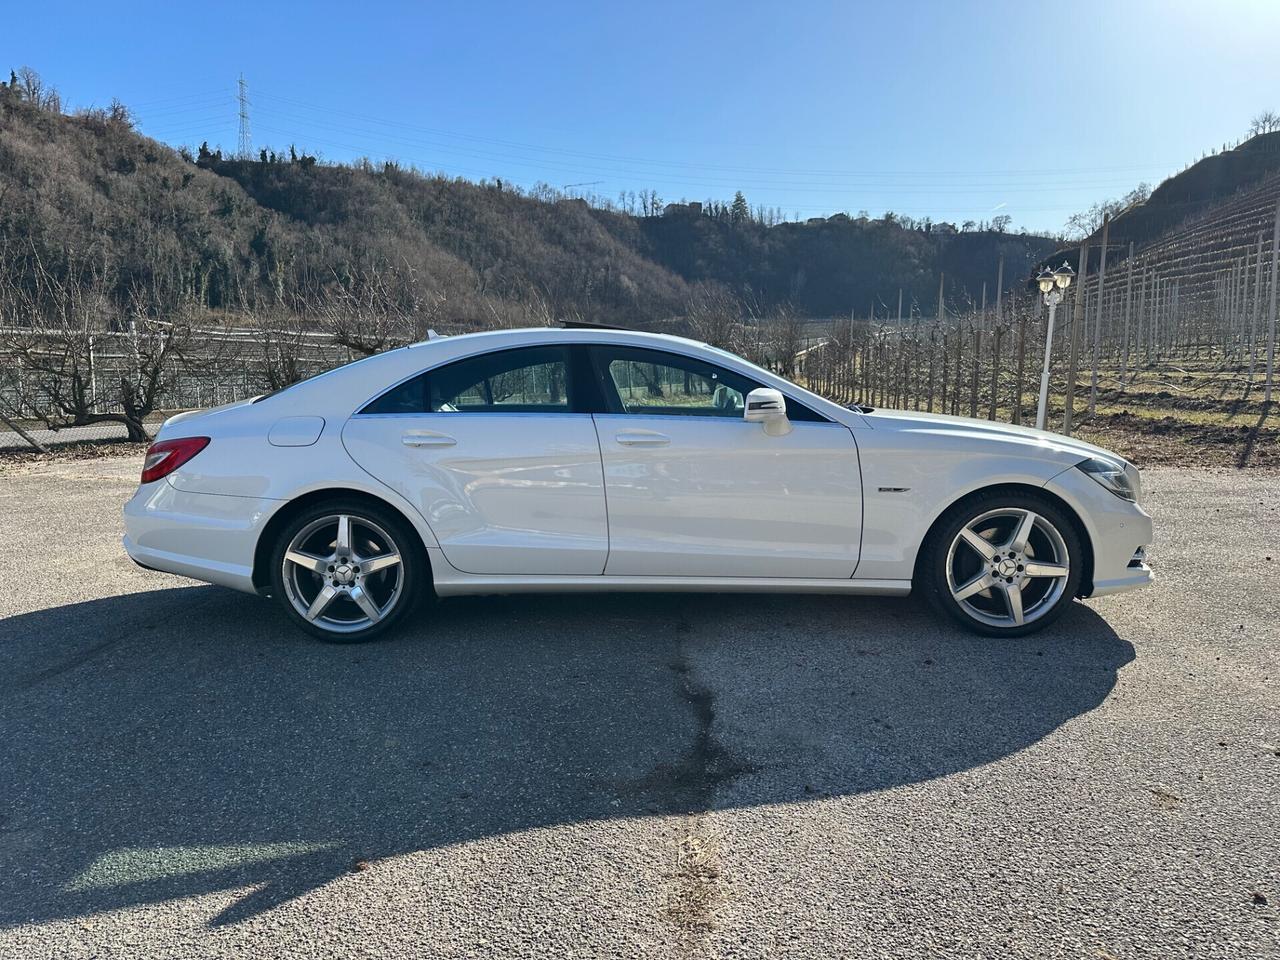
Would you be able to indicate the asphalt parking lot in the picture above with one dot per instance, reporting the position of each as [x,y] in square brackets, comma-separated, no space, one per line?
[183,774]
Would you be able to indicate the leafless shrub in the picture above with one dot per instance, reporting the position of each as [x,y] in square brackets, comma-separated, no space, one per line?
[78,359]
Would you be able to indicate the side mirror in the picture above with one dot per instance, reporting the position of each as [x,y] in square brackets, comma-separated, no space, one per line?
[768,406]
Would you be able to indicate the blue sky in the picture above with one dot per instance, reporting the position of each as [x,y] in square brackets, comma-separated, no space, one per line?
[952,110]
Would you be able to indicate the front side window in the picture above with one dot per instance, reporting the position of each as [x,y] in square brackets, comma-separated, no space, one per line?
[527,380]
[656,383]
[663,384]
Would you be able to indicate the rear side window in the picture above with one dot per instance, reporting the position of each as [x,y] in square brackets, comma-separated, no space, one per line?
[526,380]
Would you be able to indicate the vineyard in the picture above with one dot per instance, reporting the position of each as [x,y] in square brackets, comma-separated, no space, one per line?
[1164,352]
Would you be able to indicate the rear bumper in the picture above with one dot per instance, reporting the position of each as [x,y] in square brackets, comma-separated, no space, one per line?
[203,536]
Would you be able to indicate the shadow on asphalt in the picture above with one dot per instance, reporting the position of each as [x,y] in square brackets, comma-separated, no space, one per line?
[188,740]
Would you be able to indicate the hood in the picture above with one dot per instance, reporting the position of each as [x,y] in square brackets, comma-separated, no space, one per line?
[1055,445]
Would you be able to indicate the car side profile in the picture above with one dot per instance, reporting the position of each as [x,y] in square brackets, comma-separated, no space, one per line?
[594,459]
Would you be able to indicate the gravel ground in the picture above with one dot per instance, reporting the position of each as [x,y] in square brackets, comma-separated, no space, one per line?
[185,775]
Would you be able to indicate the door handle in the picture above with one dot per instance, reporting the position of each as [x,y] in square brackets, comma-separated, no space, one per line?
[646,438]
[427,440]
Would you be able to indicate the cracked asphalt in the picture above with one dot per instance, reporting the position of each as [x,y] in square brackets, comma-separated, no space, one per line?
[184,775]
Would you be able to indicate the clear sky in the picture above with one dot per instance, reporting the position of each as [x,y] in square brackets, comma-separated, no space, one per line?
[954,110]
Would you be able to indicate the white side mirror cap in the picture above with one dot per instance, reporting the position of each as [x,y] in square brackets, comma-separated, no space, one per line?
[768,406]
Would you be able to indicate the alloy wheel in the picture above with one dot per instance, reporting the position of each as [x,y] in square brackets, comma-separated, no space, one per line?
[1008,567]
[343,573]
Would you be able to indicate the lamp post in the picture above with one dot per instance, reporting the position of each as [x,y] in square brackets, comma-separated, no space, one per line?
[1052,284]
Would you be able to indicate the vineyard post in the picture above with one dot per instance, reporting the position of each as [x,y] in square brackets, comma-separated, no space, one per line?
[995,362]
[977,354]
[1128,302]
[1141,310]
[933,341]
[997,333]
[1271,310]
[1022,362]
[999,285]
[955,394]
[1077,321]
[1257,309]
[1153,329]
[1097,324]
[1242,291]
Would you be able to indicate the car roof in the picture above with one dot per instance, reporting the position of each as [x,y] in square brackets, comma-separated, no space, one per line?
[577,333]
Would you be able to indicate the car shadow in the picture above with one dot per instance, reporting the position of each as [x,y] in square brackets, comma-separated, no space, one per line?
[188,740]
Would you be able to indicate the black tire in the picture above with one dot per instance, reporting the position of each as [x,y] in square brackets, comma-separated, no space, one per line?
[939,567]
[369,526]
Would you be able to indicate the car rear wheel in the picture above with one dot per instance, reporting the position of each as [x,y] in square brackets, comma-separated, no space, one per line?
[1003,564]
[346,571]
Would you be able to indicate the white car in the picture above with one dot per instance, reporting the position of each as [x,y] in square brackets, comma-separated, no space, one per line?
[583,459]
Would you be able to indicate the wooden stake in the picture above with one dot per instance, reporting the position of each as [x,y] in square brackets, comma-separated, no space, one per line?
[1077,321]
[1097,323]
[1271,310]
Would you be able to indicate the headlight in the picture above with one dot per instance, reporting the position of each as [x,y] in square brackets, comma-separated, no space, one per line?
[1111,475]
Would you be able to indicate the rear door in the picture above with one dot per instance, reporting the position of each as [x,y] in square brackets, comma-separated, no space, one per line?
[499,455]
[696,491]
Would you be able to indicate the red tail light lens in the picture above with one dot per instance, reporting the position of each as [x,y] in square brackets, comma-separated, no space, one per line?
[167,456]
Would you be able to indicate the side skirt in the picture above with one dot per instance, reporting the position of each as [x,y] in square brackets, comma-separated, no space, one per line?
[472,585]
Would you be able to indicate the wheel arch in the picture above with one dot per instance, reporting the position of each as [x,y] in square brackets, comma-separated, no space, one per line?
[271,529]
[1086,574]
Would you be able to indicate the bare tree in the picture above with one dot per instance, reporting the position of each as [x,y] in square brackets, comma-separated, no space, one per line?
[1268,121]
[371,310]
[785,337]
[83,361]
[714,315]
[36,92]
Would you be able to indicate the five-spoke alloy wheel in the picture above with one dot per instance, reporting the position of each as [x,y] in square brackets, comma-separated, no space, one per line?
[346,571]
[1004,565]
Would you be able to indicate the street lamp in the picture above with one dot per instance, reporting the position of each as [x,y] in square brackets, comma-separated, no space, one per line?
[1052,283]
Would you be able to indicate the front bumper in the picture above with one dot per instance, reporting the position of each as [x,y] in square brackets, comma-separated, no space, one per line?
[1137,574]
[203,536]
[1119,530]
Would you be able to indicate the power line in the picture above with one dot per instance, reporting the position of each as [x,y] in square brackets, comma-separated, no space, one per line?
[331,112]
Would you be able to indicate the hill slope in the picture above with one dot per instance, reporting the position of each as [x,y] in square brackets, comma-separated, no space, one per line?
[1192,194]
[87,195]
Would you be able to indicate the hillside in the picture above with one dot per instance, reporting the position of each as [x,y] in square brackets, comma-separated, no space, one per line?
[87,195]
[1196,192]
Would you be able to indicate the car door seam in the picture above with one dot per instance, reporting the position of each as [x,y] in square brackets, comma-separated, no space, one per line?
[604,489]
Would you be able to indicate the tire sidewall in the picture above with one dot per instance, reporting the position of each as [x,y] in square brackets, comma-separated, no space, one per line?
[933,568]
[412,559]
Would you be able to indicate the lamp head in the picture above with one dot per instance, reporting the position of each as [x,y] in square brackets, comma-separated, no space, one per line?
[1063,276]
[1045,279]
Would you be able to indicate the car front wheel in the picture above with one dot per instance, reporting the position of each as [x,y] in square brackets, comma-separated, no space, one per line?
[347,571]
[1003,564]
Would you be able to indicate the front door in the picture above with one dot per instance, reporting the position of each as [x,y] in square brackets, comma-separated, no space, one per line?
[494,453]
[694,490]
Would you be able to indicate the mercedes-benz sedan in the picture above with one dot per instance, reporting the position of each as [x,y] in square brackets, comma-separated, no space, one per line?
[593,459]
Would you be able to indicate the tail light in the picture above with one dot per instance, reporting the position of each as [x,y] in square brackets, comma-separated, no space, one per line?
[166,456]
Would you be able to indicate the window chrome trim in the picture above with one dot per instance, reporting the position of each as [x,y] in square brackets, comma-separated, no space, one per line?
[695,418]
[473,413]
